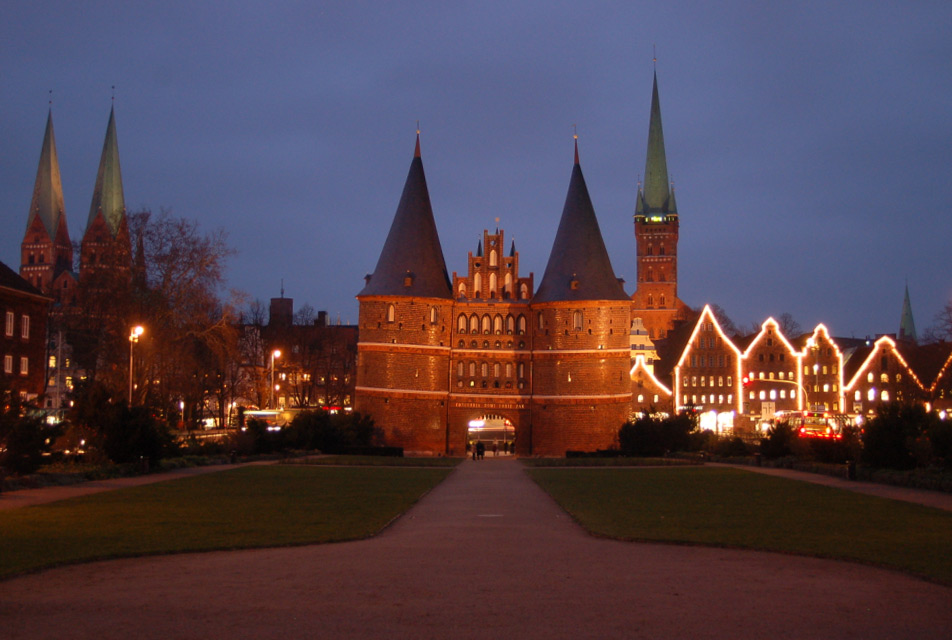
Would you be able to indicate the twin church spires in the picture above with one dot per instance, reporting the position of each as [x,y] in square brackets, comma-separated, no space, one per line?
[46,251]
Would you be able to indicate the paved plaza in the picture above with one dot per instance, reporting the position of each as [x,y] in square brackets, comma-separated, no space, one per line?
[486,554]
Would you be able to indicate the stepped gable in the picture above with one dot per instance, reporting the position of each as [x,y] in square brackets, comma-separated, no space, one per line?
[578,267]
[411,262]
[108,197]
[47,203]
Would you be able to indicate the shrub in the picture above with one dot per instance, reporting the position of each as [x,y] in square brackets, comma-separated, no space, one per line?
[133,433]
[779,441]
[940,437]
[730,447]
[890,437]
[649,436]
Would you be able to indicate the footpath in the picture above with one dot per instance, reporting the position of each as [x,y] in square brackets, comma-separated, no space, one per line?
[486,554]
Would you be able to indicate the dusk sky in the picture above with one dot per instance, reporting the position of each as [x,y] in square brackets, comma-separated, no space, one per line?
[810,143]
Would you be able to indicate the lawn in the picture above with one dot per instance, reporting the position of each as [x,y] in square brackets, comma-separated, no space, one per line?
[736,508]
[377,461]
[260,506]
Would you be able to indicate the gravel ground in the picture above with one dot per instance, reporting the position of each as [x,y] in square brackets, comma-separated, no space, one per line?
[485,554]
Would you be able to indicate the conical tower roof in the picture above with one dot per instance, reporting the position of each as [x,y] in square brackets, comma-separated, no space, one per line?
[47,202]
[907,326]
[411,262]
[107,195]
[657,192]
[579,267]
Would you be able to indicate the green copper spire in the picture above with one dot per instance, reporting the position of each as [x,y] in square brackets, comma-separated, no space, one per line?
[107,195]
[47,203]
[907,326]
[656,194]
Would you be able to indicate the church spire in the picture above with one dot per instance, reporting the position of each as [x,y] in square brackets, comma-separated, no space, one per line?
[907,326]
[411,262]
[656,194]
[108,198]
[47,203]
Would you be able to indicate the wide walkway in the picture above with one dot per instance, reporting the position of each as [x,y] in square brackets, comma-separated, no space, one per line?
[486,554]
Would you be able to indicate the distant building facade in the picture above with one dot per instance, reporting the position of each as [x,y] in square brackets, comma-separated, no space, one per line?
[23,339]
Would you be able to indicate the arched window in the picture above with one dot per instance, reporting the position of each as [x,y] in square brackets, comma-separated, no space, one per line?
[496,370]
[477,285]
[577,320]
[521,370]
[661,302]
[472,368]
[391,313]
[541,321]
[508,369]
[507,286]
[510,324]
[474,323]
[492,258]
[521,323]
[487,324]
[434,315]
[459,369]
[492,285]
[497,324]
[523,291]
[462,289]
[484,369]
[461,323]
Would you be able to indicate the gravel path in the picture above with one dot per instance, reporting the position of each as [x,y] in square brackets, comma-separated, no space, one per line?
[486,554]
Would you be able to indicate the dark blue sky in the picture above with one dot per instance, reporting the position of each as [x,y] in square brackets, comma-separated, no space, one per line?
[810,143]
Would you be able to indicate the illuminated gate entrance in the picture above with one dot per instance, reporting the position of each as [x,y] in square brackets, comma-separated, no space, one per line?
[492,429]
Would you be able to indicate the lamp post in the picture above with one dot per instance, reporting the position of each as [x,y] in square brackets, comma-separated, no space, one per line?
[274,354]
[133,339]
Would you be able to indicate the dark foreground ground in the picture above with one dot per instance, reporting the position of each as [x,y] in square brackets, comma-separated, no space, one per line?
[487,554]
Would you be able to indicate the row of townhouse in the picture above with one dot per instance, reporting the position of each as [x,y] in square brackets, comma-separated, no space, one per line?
[739,384]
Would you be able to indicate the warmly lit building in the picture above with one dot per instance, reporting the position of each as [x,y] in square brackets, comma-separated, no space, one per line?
[23,341]
[437,357]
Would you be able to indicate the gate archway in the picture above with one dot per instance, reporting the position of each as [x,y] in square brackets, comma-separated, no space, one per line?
[492,429]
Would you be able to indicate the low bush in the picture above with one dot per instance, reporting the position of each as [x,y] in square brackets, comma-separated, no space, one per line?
[650,436]
[779,441]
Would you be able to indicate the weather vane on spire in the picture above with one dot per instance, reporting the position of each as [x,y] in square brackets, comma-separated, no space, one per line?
[51,97]
[114,94]
[418,127]
[575,131]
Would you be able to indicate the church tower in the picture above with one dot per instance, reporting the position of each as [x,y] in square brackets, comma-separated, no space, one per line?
[581,391]
[46,253]
[655,300]
[106,243]
[405,313]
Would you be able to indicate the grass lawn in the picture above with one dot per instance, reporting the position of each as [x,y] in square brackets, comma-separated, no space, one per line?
[260,506]
[736,508]
[619,461]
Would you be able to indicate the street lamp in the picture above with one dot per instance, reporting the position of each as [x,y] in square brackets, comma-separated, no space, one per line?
[137,331]
[274,354]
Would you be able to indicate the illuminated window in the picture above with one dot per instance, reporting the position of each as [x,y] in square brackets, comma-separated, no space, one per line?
[730,381]
[773,394]
[9,327]
[24,366]
[656,398]
[25,327]
[869,377]
[871,394]
[858,395]
[641,398]
[783,394]
[898,377]
[884,396]
[884,378]
[391,313]
[8,364]
[826,388]
[763,395]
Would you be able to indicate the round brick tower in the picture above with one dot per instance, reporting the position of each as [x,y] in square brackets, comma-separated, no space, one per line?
[581,392]
[405,321]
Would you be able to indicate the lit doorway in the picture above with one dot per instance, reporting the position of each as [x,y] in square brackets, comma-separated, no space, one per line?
[494,434]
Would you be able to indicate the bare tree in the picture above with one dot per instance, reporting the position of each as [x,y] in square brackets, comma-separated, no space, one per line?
[788,326]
